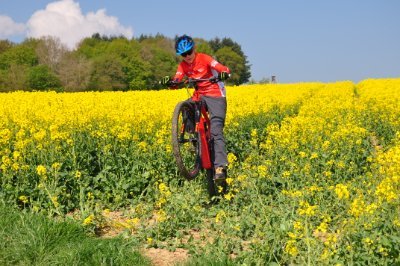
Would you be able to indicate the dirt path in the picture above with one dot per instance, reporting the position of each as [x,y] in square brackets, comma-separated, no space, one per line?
[163,257]
[117,223]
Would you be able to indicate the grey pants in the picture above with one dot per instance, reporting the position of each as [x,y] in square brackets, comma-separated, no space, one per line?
[217,109]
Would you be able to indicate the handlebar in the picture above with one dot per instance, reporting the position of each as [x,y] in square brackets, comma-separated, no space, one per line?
[193,82]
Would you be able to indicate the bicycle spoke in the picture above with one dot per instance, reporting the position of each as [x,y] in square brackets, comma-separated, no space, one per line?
[185,142]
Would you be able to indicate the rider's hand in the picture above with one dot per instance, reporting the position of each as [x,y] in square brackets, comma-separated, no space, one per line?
[223,76]
[166,80]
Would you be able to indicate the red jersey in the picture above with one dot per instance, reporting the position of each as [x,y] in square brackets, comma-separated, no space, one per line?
[203,67]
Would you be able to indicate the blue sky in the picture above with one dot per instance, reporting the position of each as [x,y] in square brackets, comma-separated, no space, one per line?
[310,40]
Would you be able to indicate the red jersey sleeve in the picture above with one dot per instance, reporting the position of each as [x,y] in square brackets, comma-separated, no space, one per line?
[214,64]
[180,73]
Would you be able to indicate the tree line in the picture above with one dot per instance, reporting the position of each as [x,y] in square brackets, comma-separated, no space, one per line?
[104,63]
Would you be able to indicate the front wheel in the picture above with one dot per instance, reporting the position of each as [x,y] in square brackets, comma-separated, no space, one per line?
[185,141]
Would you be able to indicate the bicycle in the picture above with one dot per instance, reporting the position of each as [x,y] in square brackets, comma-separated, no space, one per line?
[191,138]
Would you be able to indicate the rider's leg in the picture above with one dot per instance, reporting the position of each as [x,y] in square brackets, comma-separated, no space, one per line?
[217,109]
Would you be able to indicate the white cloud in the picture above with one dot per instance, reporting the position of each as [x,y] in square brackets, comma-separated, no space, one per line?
[64,19]
[9,28]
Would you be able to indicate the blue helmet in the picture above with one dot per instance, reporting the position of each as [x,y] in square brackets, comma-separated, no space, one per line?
[183,44]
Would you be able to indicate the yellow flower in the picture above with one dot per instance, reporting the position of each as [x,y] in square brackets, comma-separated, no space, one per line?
[23,199]
[90,196]
[161,216]
[326,144]
[285,174]
[294,235]
[15,166]
[131,223]
[77,174]
[396,222]
[228,196]
[292,193]
[164,189]
[54,200]
[56,166]
[322,228]
[6,162]
[357,207]
[383,251]
[342,192]
[341,164]
[368,241]
[326,254]
[231,158]
[306,209]
[41,170]
[143,146]
[262,170]
[242,178]
[220,215]
[16,155]
[291,248]
[302,154]
[297,225]
[88,220]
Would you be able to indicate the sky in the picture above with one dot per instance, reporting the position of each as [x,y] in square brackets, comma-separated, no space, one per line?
[296,41]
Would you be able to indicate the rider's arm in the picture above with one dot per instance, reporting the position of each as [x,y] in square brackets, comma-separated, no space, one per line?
[214,64]
[179,75]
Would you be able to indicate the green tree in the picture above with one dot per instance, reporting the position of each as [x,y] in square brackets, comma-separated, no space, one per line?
[136,70]
[244,74]
[230,58]
[14,78]
[159,52]
[3,80]
[159,41]
[40,77]
[5,45]
[202,46]
[15,62]
[91,47]
[107,74]
[116,63]
[19,55]
[137,73]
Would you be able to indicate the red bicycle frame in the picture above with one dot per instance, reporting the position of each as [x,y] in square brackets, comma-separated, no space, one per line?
[202,123]
[203,127]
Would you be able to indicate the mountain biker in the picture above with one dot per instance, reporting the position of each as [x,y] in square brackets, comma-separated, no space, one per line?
[202,66]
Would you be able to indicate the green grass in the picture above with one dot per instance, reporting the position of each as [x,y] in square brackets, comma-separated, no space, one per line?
[32,239]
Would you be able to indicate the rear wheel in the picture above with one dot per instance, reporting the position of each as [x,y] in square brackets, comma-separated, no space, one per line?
[185,141]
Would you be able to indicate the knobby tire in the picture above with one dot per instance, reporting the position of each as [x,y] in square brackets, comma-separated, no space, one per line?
[188,164]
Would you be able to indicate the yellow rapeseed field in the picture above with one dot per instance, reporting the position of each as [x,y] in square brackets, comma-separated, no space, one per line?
[314,172]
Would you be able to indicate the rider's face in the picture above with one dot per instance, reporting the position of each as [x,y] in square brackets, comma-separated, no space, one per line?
[190,57]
